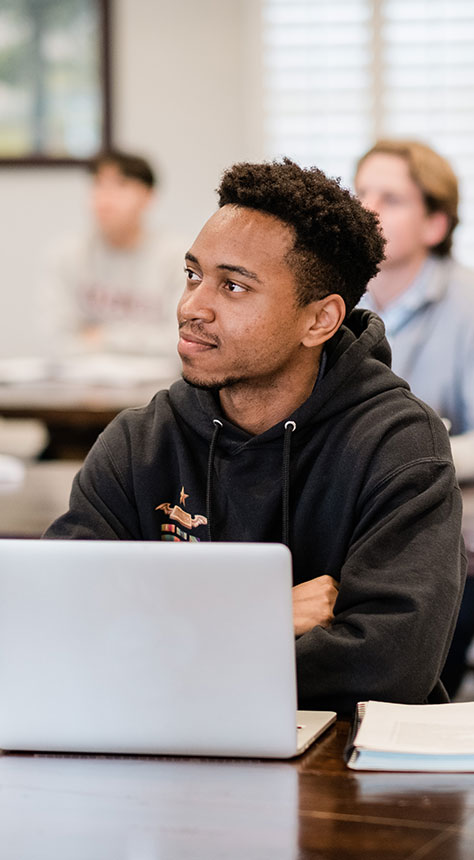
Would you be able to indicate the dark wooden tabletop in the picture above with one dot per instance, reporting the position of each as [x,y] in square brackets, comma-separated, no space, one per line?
[313,808]
[347,814]
[74,413]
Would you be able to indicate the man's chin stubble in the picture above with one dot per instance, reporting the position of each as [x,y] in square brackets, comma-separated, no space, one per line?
[212,384]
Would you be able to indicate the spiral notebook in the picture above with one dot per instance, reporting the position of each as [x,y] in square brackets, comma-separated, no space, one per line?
[389,736]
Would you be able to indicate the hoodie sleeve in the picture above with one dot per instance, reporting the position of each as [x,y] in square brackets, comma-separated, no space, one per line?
[101,505]
[400,588]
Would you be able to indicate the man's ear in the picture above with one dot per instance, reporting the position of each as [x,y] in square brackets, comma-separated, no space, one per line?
[325,317]
[435,229]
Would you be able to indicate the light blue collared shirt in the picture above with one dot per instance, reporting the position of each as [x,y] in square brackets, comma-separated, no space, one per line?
[430,328]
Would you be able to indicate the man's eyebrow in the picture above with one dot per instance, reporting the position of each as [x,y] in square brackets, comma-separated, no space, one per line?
[191,258]
[226,267]
[229,267]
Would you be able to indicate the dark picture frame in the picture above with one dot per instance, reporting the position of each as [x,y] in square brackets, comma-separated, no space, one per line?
[54,81]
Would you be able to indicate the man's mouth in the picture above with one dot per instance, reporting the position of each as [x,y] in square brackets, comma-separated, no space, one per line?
[190,343]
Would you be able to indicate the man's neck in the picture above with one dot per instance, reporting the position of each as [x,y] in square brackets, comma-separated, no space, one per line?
[256,408]
[393,280]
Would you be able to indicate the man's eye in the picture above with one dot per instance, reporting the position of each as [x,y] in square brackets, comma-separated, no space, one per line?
[190,275]
[234,288]
[392,199]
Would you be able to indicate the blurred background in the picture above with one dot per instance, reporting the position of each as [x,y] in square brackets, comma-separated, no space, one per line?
[195,85]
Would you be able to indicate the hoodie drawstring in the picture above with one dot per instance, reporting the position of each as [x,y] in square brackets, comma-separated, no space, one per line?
[210,463]
[290,427]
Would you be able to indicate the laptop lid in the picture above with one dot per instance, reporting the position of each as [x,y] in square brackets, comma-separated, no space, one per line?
[147,647]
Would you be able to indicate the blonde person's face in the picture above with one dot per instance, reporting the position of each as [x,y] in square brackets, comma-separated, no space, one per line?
[384,185]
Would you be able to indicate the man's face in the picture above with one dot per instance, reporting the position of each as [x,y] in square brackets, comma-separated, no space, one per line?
[118,202]
[238,317]
[384,185]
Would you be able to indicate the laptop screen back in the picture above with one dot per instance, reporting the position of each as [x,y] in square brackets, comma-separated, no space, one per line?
[116,646]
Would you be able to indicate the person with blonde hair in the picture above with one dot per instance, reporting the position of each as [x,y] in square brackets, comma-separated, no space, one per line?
[426,300]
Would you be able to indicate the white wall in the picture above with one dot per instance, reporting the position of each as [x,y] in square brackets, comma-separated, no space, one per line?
[185,94]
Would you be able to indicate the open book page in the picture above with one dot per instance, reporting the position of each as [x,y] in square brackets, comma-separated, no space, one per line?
[420,729]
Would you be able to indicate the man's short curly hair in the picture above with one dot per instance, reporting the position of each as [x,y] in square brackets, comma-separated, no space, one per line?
[338,244]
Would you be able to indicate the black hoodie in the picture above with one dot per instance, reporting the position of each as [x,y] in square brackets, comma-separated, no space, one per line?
[362,484]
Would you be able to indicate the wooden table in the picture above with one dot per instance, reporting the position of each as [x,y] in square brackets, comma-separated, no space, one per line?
[108,808]
[74,413]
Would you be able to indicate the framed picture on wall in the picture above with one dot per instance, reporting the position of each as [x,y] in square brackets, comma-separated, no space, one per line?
[54,80]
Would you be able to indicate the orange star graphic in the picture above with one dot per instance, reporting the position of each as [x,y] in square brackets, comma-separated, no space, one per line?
[182,497]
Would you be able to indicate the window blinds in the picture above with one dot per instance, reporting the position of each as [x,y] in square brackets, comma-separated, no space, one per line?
[337,74]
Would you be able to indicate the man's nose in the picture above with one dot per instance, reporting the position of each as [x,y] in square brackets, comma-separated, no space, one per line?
[197,302]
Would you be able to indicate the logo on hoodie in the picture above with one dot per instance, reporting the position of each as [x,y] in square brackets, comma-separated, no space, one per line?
[171,532]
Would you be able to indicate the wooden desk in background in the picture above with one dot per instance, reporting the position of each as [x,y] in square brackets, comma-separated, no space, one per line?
[104,808]
[28,509]
[74,413]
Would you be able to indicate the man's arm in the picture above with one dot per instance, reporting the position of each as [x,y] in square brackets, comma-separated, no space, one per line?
[313,603]
[399,595]
[101,505]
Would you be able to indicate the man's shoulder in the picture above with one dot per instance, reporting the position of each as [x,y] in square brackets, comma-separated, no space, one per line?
[459,283]
[157,411]
[151,419]
[398,421]
[403,434]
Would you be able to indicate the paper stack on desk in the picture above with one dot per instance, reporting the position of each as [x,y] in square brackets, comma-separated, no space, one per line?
[389,736]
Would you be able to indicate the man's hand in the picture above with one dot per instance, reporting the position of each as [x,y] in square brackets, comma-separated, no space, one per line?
[313,603]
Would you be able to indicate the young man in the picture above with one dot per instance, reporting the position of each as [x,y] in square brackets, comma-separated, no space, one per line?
[424,297]
[426,301]
[115,288]
[289,426]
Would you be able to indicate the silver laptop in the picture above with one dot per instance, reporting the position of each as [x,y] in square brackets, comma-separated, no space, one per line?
[150,648]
